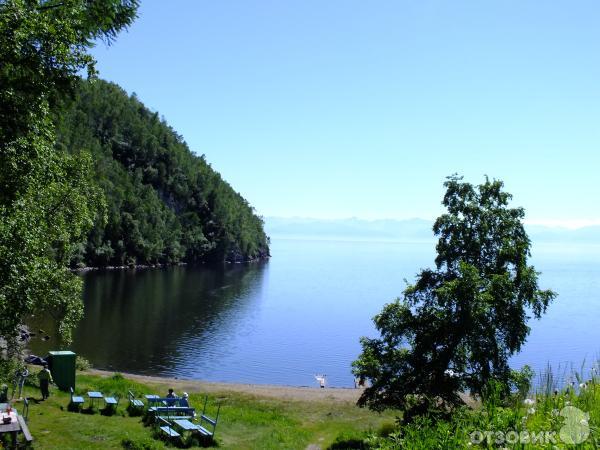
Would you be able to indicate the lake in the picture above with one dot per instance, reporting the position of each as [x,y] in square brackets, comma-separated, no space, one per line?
[301,313]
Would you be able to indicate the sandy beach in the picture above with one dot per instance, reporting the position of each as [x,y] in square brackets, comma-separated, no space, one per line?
[260,390]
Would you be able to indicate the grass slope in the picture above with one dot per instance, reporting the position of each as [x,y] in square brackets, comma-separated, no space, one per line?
[246,421]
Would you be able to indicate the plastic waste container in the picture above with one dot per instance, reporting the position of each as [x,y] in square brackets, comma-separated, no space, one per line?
[62,366]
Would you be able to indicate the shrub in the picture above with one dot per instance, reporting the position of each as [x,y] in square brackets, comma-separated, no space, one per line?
[82,364]
[349,441]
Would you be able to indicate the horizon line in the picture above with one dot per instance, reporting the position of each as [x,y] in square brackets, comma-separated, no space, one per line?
[565,224]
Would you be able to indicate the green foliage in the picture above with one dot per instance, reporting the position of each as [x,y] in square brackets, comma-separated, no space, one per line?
[47,200]
[81,363]
[544,421]
[165,204]
[457,326]
[349,440]
[520,382]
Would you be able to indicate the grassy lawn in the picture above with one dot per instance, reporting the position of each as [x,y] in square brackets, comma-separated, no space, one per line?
[245,422]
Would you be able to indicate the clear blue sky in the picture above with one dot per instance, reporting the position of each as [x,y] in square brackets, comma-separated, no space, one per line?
[334,109]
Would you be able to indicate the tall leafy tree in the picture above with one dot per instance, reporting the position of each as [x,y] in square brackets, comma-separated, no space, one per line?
[457,325]
[47,202]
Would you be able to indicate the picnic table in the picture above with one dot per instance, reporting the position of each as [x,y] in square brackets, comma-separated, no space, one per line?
[186,425]
[94,395]
[152,398]
[14,427]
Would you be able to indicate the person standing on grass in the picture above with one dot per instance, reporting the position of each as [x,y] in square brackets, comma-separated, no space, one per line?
[45,378]
[20,377]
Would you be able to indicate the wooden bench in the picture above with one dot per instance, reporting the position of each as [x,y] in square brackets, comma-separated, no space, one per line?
[25,412]
[111,401]
[170,413]
[110,404]
[133,402]
[162,401]
[212,423]
[172,410]
[25,429]
[76,401]
[165,427]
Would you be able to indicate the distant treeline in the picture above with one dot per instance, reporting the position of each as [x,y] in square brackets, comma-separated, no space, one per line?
[165,205]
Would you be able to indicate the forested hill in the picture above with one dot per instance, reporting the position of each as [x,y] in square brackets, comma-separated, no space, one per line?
[164,204]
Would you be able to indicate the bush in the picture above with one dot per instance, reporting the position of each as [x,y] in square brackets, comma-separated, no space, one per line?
[82,364]
[8,367]
[387,428]
[349,441]
[520,382]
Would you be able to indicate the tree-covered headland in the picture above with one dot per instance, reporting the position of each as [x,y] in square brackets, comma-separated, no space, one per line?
[164,204]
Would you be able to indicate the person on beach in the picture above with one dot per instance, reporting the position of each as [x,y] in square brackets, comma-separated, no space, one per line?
[321,380]
[45,378]
[171,395]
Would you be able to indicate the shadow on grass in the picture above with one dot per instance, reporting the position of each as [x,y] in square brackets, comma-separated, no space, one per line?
[349,441]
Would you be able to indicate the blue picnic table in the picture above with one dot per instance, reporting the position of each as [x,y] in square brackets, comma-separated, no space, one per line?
[94,395]
[186,425]
[111,402]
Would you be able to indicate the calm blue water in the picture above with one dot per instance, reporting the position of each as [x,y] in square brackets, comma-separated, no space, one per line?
[302,312]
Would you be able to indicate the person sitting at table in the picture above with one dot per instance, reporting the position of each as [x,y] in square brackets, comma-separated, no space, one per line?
[171,395]
[183,401]
[45,378]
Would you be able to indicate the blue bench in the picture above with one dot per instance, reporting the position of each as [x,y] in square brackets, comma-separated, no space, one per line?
[111,402]
[208,421]
[134,402]
[172,412]
[165,427]
[76,400]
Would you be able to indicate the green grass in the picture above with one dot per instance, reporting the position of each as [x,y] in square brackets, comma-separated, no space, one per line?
[256,422]
[245,422]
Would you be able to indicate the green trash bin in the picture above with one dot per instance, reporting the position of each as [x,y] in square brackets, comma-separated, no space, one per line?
[62,367]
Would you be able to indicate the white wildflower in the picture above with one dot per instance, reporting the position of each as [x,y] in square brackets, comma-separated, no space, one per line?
[531,411]
[528,401]
[582,385]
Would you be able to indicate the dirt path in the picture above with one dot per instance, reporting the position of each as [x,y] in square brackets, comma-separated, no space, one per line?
[261,390]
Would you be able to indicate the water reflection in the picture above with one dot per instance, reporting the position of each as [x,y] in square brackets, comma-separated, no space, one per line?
[170,321]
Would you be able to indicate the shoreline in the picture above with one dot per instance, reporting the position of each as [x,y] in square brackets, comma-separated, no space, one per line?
[162,266]
[299,393]
[286,393]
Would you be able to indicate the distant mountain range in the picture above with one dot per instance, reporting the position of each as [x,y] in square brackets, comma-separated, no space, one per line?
[409,230]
